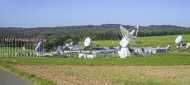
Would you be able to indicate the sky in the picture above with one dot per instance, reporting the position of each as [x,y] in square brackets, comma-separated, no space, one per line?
[50,13]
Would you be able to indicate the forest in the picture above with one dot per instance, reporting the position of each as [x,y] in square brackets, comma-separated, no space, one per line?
[65,34]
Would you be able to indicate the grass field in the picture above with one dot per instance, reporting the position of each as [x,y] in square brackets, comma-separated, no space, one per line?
[166,68]
[164,59]
[152,41]
[108,75]
[163,68]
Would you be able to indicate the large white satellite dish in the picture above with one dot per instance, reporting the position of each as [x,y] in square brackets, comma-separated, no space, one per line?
[87,42]
[178,39]
[127,34]
[127,37]
[124,32]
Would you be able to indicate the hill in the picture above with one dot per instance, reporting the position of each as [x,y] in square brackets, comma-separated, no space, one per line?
[65,34]
[101,31]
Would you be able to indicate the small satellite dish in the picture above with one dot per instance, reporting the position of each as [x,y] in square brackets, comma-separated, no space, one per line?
[178,39]
[124,42]
[87,42]
[66,44]
[71,43]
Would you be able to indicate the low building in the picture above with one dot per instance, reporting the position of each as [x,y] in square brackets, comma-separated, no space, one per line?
[150,50]
[81,55]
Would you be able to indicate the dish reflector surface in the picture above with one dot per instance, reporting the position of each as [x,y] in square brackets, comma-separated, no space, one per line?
[87,41]
[178,39]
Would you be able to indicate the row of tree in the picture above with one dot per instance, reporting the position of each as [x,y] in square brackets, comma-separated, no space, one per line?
[59,35]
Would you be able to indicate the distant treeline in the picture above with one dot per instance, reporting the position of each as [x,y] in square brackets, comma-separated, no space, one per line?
[60,35]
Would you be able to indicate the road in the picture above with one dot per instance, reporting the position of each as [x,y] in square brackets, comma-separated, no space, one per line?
[8,78]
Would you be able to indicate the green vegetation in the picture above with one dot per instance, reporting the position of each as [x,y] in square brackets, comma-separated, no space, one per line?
[175,57]
[59,35]
[165,59]
[152,41]
[102,32]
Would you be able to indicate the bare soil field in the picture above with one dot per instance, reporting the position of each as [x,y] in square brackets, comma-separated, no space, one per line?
[107,75]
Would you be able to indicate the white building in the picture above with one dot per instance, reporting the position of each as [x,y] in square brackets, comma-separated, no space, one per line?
[150,50]
[86,55]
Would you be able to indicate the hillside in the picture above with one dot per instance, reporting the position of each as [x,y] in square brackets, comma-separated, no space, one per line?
[59,35]
[151,41]
[87,30]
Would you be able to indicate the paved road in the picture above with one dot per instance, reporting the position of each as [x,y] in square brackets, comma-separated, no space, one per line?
[8,78]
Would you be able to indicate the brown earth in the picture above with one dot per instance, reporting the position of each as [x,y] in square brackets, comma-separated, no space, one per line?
[101,75]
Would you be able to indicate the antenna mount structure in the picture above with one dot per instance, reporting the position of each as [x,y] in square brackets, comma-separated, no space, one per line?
[127,38]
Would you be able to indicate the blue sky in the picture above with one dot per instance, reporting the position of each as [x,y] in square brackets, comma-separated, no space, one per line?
[43,13]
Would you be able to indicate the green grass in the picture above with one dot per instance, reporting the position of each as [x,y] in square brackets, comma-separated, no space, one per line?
[152,41]
[164,59]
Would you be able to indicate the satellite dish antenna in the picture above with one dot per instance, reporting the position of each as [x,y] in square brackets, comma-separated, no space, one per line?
[127,37]
[71,43]
[179,41]
[125,33]
[87,42]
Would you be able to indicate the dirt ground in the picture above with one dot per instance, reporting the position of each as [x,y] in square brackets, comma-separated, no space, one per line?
[106,75]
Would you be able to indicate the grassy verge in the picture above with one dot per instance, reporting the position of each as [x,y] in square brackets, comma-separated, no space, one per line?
[33,78]
[164,59]
[166,75]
